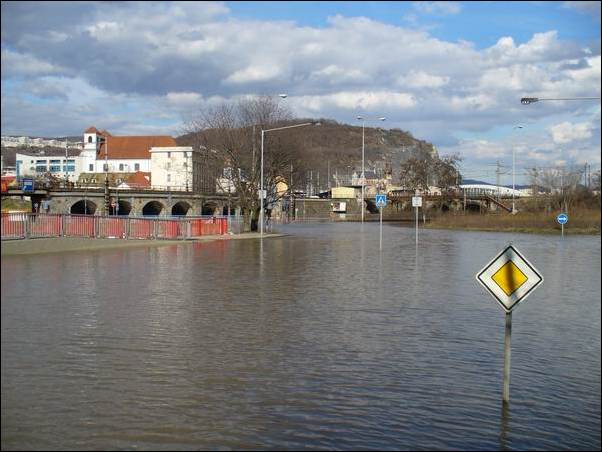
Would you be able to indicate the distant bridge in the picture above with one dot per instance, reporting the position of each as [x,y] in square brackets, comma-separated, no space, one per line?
[452,201]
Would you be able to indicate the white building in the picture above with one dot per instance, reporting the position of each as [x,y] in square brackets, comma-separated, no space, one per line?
[175,168]
[105,152]
[55,163]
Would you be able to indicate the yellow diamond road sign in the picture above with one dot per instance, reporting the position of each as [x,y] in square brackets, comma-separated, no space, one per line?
[510,278]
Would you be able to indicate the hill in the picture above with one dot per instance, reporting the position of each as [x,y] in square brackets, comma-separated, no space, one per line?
[337,148]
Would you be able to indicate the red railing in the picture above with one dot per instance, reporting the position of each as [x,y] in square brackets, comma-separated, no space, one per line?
[34,225]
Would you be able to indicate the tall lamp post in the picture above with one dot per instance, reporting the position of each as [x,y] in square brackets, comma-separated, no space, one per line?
[513,172]
[261,194]
[363,179]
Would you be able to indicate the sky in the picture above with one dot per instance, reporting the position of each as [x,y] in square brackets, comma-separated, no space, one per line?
[451,73]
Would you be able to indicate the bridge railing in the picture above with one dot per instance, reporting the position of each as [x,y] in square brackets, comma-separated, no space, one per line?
[40,225]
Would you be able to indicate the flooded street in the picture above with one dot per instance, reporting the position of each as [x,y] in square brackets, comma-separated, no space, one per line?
[315,340]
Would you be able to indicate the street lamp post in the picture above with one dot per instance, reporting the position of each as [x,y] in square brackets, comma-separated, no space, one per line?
[363,178]
[513,172]
[261,193]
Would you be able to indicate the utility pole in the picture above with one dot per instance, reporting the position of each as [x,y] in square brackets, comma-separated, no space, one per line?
[497,179]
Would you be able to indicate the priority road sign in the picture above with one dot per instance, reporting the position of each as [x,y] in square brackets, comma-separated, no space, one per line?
[381,200]
[562,218]
[510,278]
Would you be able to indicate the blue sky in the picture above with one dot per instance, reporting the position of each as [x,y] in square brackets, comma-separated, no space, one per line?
[451,73]
[480,22]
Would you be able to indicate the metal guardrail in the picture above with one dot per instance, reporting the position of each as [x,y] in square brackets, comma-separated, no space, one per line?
[38,225]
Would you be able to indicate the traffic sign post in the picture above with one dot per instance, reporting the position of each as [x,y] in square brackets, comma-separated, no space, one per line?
[562,219]
[381,202]
[509,278]
[416,202]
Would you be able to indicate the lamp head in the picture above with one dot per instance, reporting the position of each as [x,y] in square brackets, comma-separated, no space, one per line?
[528,100]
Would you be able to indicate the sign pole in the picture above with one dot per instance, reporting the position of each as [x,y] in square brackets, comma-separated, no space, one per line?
[416,226]
[562,229]
[381,228]
[507,339]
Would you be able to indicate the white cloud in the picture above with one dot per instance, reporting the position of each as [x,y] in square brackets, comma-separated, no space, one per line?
[567,132]
[421,79]
[443,8]
[588,7]
[355,101]
[184,98]
[254,73]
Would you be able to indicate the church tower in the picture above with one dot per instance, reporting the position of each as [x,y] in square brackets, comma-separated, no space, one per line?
[91,146]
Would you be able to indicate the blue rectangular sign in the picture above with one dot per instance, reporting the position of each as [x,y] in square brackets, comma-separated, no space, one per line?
[28,185]
[381,200]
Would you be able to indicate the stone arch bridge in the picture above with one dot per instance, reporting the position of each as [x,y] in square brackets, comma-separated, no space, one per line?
[130,202]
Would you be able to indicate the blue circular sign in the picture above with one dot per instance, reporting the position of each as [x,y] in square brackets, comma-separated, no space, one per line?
[563,218]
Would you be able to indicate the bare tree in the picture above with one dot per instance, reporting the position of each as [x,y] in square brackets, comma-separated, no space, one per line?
[229,134]
[560,182]
[420,173]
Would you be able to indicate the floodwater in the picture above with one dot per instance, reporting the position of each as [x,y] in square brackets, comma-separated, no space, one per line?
[316,340]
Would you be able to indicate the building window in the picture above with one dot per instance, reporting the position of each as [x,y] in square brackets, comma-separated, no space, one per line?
[169,155]
[137,166]
[55,166]
[168,165]
[121,167]
[90,139]
[91,167]
[105,167]
[169,178]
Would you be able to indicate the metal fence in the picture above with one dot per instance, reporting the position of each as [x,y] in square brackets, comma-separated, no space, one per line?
[38,225]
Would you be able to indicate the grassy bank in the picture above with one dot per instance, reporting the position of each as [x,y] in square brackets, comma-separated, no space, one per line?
[581,221]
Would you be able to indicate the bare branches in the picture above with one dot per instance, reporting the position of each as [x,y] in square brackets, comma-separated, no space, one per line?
[229,135]
[420,173]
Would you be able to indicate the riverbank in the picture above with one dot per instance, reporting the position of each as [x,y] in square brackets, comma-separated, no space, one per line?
[62,244]
[580,222]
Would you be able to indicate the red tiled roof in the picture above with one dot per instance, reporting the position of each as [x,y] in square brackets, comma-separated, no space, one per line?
[139,179]
[133,147]
[91,129]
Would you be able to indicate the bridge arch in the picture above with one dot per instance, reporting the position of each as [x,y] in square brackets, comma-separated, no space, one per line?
[152,208]
[210,208]
[125,207]
[180,208]
[83,207]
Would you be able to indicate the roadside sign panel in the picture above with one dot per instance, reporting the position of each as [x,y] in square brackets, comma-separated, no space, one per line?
[381,200]
[562,218]
[28,185]
[509,278]
[416,201]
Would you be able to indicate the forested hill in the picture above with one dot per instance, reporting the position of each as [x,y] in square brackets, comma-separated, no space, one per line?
[339,146]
